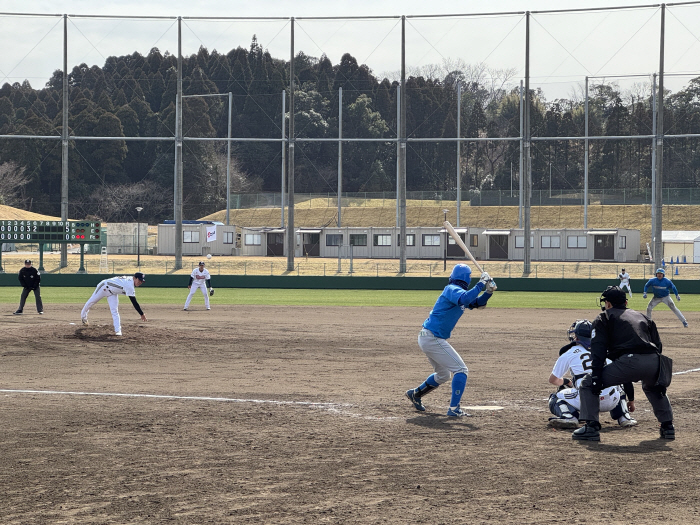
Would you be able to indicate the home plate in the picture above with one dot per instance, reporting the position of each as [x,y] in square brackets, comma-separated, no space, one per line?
[484,407]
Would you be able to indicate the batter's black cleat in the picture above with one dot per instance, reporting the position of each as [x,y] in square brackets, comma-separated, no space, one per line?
[667,431]
[417,403]
[588,432]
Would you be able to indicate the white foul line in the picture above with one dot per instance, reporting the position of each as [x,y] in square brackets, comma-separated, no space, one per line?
[686,371]
[337,408]
[195,398]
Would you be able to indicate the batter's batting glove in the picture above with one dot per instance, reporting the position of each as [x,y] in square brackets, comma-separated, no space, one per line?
[678,297]
[211,291]
[491,286]
[644,296]
[485,278]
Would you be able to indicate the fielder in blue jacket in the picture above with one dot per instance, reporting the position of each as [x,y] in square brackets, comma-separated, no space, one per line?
[438,327]
[662,287]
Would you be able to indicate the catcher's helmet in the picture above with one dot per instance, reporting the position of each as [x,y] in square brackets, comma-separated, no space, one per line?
[461,272]
[581,331]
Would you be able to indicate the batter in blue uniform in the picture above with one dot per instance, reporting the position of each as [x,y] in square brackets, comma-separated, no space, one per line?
[438,327]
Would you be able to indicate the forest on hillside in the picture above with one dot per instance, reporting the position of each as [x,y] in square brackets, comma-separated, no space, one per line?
[134,96]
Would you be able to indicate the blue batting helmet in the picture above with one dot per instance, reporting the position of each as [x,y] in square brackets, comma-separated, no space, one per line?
[461,272]
[661,271]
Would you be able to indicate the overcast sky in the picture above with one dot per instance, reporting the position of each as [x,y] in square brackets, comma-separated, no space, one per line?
[565,47]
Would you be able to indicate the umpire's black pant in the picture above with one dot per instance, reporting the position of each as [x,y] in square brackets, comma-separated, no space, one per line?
[37,295]
[627,369]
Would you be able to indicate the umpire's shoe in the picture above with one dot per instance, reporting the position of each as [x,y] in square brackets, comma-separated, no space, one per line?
[417,403]
[588,432]
[667,431]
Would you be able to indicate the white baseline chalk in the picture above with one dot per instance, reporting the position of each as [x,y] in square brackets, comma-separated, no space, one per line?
[193,398]
[686,371]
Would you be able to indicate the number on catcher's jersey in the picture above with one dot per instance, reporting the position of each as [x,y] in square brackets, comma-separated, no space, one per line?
[586,361]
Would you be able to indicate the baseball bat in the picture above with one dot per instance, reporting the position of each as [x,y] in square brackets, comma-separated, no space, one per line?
[461,244]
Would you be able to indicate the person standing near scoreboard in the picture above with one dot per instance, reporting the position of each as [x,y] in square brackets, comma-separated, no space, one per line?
[199,280]
[30,278]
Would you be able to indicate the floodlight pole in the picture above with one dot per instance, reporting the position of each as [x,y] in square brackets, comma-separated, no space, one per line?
[340,154]
[177,204]
[459,151]
[401,189]
[444,256]
[585,162]
[64,142]
[138,236]
[527,185]
[657,241]
[291,240]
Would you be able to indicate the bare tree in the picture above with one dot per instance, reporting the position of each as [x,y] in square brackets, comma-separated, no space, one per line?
[118,202]
[13,179]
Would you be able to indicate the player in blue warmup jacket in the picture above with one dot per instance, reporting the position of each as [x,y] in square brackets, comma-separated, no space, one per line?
[438,327]
[662,287]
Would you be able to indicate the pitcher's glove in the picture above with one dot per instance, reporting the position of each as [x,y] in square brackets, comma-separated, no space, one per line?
[211,292]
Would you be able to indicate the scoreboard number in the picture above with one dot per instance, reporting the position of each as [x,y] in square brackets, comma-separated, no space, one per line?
[59,232]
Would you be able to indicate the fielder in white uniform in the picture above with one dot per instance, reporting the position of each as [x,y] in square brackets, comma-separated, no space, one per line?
[199,280]
[575,359]
[625,282]
[111,289]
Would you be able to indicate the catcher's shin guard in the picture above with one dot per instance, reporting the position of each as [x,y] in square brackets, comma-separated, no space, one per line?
[561,408]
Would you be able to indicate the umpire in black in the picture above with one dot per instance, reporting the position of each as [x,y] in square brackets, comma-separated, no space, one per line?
[631,341]
[30,278]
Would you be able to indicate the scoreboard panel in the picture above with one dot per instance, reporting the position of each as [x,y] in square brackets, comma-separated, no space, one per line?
[51,232]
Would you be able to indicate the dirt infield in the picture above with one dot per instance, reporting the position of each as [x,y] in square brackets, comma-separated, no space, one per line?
[252,414]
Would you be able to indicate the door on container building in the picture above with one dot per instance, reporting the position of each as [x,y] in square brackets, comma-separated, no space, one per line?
[311,244]
[604,247]
[453,249]
[275,244]
[498,247]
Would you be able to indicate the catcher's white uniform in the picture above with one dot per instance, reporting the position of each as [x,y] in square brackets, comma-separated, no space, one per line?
[199,277]
[577,361]
[625,282]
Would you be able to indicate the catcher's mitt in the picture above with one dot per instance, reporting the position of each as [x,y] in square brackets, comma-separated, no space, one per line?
[211,291]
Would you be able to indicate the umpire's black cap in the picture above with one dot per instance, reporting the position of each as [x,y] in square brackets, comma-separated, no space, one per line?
[141,277]
[614,295]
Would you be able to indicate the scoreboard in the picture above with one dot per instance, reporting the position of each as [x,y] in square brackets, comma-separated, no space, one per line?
[51,232]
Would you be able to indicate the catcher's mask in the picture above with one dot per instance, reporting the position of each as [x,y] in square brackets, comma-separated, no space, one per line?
[581,331]
[614,295]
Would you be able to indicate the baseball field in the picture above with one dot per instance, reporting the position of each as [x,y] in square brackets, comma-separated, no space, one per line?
[272,410]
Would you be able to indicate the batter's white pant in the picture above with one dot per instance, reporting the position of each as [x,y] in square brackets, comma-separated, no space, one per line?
[112,301]
[193,289]
[626,285]
[445,359]
[668,302]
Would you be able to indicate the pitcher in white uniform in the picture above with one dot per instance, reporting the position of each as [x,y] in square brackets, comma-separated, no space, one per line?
[112,288]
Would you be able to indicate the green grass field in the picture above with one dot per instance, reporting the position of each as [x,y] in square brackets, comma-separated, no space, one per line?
[501,299]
